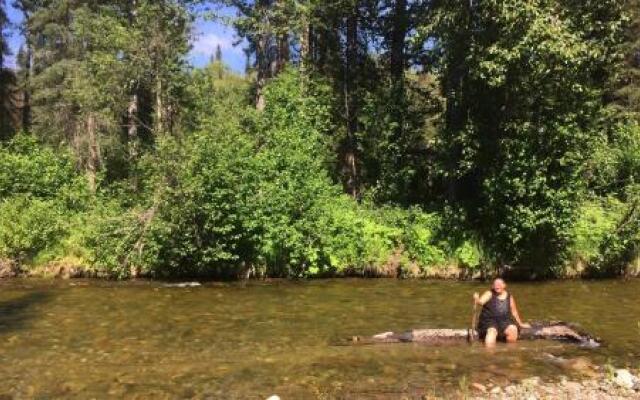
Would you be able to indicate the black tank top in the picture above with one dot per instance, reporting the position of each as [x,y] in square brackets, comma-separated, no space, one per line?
[496,308]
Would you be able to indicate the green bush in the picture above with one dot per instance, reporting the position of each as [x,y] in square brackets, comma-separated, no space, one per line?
[29,168]
[595,221]
[42,198]
[254,191]
[193,221]
[350,238]
[293,178]
[29,225]
[621,246]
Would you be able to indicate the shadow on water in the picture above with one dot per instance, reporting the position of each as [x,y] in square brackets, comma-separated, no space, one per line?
[15,314]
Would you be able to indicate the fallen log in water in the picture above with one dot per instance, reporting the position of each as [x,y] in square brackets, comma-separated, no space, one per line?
[551,330]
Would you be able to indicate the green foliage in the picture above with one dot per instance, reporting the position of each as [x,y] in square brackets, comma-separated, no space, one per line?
[615,163]
[30,169]
[292,161]
[596,220]
[522,119]
[228,196]
[468,133]
[193,221]
[42,198]
[394,135]
[349,238]
[622,245]
[255,191]
[28,226]
[469,254]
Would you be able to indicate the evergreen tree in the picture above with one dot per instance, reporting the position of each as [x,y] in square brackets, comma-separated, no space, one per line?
[4,21]
[92,64]
[628,91]
[24,60]
[523,83]
[218,54]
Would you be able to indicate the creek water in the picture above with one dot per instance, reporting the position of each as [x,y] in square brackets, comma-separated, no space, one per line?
[94,339]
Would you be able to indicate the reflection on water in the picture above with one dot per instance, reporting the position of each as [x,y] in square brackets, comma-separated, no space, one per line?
[141,340]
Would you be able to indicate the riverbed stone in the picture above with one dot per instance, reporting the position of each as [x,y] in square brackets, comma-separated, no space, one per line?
[531,382]
[595,388]
[624,378]
[480,387]
[573,386]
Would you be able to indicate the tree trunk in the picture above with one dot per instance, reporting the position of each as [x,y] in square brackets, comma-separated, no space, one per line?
[159,123]
[132,127]
[2,43]
[350,72]
[305,45]
[262,71]
[93,160]
[283,52]
[550,330]
[263,59]
[133,107]
[26,88]
[400,26]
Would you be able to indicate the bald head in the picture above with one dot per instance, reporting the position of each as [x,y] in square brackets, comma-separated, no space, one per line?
[499,285]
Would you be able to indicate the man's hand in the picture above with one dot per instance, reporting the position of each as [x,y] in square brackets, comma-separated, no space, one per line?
[525,326]
[476,298]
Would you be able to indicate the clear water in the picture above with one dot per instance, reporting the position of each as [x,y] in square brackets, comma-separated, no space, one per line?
[88,339]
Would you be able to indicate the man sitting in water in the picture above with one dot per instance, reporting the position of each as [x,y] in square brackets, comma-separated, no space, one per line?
[499,312]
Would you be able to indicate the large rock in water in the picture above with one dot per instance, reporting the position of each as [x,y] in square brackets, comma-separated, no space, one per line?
[551,330]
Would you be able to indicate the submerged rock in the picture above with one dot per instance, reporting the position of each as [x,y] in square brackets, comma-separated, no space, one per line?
[624,378]
[479,386]
[580,364]
[183,285]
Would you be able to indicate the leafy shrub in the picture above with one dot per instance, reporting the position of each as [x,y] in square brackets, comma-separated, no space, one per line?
[596,220]
[621,246]
[421,238]
[28,225]
[352,238]
[469,254]
[192,222]
[293,179]
[29,168]
[255,191]
[42,196]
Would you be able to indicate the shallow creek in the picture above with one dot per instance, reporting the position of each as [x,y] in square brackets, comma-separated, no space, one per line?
[94,339]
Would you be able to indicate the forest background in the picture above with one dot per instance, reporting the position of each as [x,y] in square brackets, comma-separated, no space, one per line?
[364,137]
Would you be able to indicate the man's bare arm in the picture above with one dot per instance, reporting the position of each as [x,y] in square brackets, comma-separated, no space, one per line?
[516,315]
[482,300]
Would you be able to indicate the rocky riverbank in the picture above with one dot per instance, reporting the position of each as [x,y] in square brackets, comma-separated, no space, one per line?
[609,384]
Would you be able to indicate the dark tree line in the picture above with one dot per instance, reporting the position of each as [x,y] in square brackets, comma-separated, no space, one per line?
[513,119]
